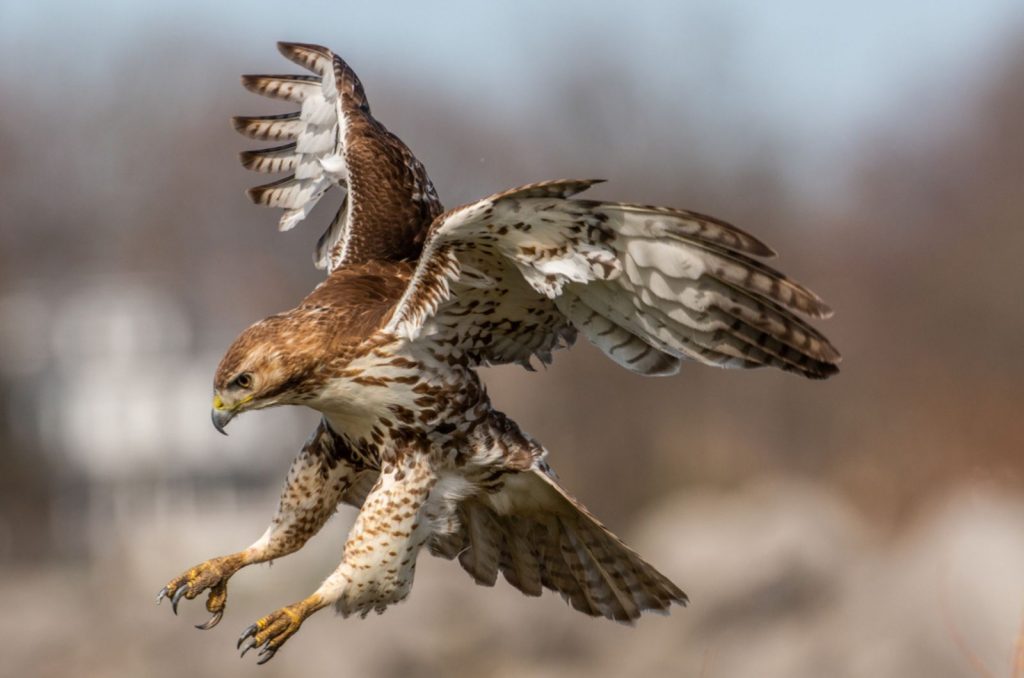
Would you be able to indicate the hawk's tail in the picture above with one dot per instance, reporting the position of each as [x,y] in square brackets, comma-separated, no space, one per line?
[539,536]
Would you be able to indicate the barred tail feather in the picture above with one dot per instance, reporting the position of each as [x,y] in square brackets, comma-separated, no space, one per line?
[538,536]
[481,555]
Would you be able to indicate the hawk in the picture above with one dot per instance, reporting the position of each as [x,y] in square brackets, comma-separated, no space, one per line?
[415,300]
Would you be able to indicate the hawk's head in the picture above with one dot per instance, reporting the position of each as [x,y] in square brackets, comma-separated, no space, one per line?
[268,364]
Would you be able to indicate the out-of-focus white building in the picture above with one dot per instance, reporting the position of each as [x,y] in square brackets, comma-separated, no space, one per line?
[113,386]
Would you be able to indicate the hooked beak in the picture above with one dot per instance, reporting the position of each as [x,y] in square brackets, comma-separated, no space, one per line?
[220,418]
[221,414]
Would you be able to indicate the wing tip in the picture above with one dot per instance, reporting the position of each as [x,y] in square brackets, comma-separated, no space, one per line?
[307,55]
[820,370]
[249,82]
[823,310]
[759,248]
[807,302]
[287,47]
[247,159]
[251,160]
[823,374]
[583,185]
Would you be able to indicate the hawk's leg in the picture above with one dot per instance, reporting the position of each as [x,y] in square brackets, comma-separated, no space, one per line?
[317,480]
[398,516]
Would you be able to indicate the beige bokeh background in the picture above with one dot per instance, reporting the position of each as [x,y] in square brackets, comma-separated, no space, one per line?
[868,525]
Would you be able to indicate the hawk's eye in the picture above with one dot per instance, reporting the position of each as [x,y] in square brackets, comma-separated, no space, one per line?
[244,380]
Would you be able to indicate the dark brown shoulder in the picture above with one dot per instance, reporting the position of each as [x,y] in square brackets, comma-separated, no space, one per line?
[360,298]
[393,200]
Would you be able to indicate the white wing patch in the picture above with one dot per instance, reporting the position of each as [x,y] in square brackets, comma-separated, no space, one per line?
[316,156]
[388,201]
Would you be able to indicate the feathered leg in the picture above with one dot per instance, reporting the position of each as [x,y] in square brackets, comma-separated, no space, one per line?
[380,555]
[321,476]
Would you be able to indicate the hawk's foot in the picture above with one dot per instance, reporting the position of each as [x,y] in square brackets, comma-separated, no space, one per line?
[212,575]
[271,632]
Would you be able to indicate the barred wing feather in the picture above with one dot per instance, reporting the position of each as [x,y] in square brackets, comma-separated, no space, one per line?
[519,273]
[334,142]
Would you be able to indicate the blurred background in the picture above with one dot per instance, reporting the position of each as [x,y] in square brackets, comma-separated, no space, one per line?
[872,524]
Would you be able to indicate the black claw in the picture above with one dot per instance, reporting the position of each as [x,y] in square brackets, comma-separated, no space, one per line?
[160,596]
[211,622]
[267,654]
[178,595]
[250,645]
[251,631]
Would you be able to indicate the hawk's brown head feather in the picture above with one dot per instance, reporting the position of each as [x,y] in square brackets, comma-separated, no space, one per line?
[287,358]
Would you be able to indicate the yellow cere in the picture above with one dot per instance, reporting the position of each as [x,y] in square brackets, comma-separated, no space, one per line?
[218,403]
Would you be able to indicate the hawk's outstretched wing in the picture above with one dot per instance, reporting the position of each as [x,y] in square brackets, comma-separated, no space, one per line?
[516,274]
[334,141]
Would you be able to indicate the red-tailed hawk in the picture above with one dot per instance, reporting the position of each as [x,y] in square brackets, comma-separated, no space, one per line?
[415,300]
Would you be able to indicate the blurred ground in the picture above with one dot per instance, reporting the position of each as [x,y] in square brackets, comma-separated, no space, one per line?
[868,525]
[786,580]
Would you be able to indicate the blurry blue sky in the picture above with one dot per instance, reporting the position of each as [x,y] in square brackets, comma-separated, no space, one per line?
[802,70]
